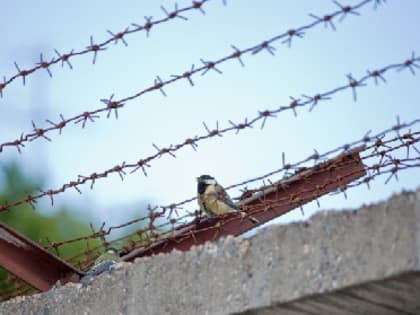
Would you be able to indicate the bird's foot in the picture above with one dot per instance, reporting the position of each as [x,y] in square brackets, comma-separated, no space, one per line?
[205,221]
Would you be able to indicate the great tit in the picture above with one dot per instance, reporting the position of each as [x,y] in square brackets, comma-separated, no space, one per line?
[213,199]
[104,263]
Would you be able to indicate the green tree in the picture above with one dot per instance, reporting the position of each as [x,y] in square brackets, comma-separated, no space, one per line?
[61,225]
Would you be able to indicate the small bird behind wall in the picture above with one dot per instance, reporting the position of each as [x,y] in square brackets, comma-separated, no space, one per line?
[104,263]
[213,199]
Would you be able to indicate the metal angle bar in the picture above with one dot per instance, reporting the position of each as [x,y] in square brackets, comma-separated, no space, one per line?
[306,185]
[32,263]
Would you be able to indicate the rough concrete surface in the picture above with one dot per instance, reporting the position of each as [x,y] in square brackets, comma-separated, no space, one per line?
[347,262]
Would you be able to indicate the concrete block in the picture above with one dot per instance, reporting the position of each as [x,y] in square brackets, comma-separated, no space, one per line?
[336,260]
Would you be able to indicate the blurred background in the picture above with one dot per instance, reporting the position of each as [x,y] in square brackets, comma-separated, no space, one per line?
[315,63]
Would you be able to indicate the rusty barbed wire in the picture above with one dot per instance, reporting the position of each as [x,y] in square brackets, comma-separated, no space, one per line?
[295,199]
[379,151]
[94,48]
[383,169]
[114,105]
[390,166]
[366,139]
[387,167]
[380,148]
[394,165]
[262,116]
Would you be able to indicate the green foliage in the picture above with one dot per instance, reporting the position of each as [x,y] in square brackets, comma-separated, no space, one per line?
[60,225]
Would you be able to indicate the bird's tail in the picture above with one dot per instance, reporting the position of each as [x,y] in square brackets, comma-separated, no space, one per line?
[253,220]
[250,218]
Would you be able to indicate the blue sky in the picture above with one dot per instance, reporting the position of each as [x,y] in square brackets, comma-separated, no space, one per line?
[318,62]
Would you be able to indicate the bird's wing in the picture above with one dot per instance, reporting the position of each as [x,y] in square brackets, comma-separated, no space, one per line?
[213,205]
[223,196]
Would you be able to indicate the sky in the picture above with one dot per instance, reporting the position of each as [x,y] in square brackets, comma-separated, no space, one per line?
[315,63]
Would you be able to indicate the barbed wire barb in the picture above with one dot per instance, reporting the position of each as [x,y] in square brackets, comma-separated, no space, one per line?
[265,114]
[199,6]
[163,151]
[354,84]
[159,85]
[209,65]
[38,132]
[112,106]
[410,64]
[85,117]
[264,45]
[291,34]
[314,100]
[22,73]
[95,48]
[376,75]
[174,13]
[141,164]
[45,65]
[345,10]
[119,36]
[59,125]
[237,54]
[65,58]
[186,75]
[327,19]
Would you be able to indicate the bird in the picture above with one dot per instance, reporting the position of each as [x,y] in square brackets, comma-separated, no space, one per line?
[214,200]
[104,263]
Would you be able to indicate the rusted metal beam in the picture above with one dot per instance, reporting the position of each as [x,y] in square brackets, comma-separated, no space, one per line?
[271,202]
[32,263]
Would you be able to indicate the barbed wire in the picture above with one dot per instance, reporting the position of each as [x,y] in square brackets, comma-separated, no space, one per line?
[113,105]
[376,143]
[95,48]
[392,166]
[262,116]
[296,200]
[380,153]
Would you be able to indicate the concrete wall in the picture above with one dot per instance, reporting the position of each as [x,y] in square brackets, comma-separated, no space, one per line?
[281,270]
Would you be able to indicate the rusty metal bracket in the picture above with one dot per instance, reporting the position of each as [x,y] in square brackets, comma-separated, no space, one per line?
[41,269]
[32,263]
[293,192]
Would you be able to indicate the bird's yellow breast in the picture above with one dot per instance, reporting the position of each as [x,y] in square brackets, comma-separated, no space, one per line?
[212,203]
